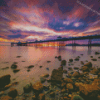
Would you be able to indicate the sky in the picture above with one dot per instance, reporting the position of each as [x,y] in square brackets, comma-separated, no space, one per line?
[30,20]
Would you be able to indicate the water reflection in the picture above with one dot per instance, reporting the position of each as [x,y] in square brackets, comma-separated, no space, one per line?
[73,49]
[89,50]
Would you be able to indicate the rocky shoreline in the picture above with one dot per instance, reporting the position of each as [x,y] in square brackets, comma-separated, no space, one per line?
[79,84]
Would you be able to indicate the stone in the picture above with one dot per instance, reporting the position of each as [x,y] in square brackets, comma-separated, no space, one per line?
[5,68]
[42,79]
[48,61]
[63,62]
[56,57]
[76,68]
[69,86]
[18,56]
[27,88]
[40,66]
[37,87]
[70,60]
[99,57]
[89,65]
[76,97]
[85,69]
[76,74]
[46,87]
[59,58]
[47,68]
[91,56]
[46,75]
[96,53]
[41,96]
[4,80]
[95,71]
[31,66]
[13,93]
[82,62]
[6,98]
[68,80]
[94,59]
[13,66]
[65,71]
[76,59]
[16,70]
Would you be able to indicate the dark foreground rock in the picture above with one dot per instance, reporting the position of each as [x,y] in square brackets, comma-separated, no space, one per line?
[27,88]
[4,80]
[13,93]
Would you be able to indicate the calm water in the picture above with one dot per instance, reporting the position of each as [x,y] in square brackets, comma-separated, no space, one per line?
[38,56]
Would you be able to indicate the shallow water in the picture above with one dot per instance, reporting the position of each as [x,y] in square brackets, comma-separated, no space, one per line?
[38,56]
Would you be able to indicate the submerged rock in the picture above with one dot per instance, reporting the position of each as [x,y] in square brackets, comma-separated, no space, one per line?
[4,80]
[13,93]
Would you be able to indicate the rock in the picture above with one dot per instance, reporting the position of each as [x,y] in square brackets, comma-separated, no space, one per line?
[90,91]
[63,62]
[99,57]
[56,75]
[42,96]
[68,80]
[59,58]
[69,86]
[52,94]
[91,56]
[76,59]
[81,54]
[4,80]
[31,66]
[15,83]
[82,62]
[56,57]
[27,88]
[46,87]
[14,66]
[40,66]
[95,71]
[89,65]
[18,56]
[7,86]
[33,97]
[70,60]
[63,90]
[28,70]
[47,68]
[85,69]
[1,93]
[42,79]
[46,75]
[96,53]
[76,97]
[5,68]
[64,71]
[6,98]
[13,93]
[16,70]
[70,68]
[48,61]
[76,68]
[76,74]
[94,59]
[37,87]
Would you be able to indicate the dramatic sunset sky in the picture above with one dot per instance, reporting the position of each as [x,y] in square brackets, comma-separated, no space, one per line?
[28,20]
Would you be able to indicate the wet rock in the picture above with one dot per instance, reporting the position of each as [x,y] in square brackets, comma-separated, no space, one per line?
[48,61]
[4,80]
[5,68]
[42,96]
[59,58]
[13,93]
[37,87]
[27,88]
[69,86]
[70,60]
[76,74]
[18,56]
[52,94]
[94,59]
[63,62]
[40,66]
[89,65]
[31,66]
[16,70]
[76,59]
[47,68]
[13,66]
[96,53]
[76,97]
[68,80]
[85,69]
[6,98]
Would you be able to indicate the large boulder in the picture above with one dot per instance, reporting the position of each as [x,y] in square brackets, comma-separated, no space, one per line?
[13,93]
[4,80]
